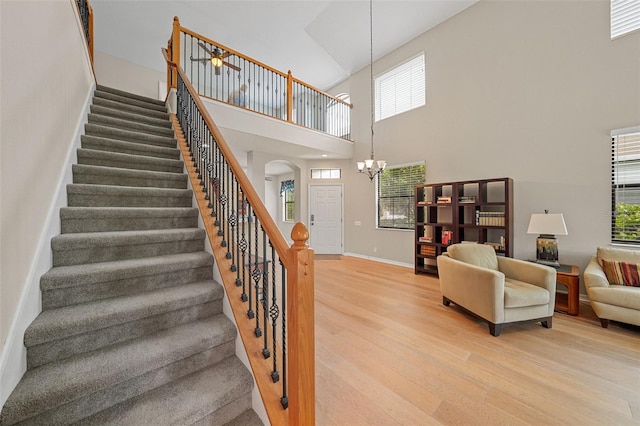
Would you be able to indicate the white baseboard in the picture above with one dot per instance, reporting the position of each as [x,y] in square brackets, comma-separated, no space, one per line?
[379,259]
[13,360]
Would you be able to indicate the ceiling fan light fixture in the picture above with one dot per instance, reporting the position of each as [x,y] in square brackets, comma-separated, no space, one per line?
[216,58]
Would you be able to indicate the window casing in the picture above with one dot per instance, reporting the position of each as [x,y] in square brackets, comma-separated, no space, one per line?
[395,195]
[625,186]
[400,89]
[326,173]
[625,17]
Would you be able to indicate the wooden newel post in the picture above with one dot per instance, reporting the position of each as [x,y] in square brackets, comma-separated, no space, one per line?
[175,51]
[290,99]
[300,327]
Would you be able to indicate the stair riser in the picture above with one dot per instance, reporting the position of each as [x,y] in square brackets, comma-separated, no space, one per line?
[86,200]
[129,95]
[97,254]
[129,116]
[227,413]
[119,123]
[105,398]
[126,224]
[130,101]
[115,179]
[129,136]
[55,298]
[129,162]
[110,145]
[95,339]
[107,103]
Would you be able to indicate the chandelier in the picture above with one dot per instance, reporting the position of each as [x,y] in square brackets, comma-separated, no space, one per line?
[370,166]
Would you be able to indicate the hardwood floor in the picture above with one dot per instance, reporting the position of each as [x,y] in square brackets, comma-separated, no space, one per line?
[388,352]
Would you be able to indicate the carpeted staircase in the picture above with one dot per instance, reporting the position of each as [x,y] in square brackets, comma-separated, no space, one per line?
[132,330]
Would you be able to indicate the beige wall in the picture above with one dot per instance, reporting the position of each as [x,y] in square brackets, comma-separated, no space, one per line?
[522,89]
[44,92]
[124,75]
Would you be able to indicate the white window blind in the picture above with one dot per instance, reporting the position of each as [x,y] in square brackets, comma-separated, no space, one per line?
[625,17]
[625,188]
[400,89]
[396,195]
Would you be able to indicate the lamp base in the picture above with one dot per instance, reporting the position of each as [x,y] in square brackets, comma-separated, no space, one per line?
[547,250]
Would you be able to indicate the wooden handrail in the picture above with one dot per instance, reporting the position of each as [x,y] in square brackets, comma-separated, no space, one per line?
[90,32]
[298,262]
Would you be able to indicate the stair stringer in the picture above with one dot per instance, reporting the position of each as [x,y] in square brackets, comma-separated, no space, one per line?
[13,359]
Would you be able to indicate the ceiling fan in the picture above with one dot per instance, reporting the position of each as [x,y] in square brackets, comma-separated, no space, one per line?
[217,58]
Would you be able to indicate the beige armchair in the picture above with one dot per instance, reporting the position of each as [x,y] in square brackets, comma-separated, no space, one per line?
[611,301]
[498,289]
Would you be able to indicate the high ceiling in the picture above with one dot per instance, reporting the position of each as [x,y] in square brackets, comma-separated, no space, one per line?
[321,42]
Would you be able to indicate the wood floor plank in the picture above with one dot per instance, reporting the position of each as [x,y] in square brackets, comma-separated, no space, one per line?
[390,353]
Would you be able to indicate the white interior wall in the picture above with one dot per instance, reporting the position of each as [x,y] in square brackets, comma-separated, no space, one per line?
[124,75]
[528,90]
[43,106]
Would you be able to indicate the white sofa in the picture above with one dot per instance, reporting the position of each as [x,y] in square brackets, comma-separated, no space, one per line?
[498,289]
[612,301]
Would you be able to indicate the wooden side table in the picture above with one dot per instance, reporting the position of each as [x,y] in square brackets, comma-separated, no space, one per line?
[569,276]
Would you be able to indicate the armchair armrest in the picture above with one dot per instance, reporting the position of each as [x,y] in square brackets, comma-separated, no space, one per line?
[529,272]
[594,276]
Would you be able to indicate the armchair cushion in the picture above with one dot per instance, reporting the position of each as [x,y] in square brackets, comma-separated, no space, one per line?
[621,273]
[518,294]
[480,255]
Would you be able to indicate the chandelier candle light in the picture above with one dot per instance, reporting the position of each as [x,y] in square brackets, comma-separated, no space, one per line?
[547,226]
[370,166]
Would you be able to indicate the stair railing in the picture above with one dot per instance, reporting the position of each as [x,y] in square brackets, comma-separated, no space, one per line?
[269,284]
[86,16]
[220,73]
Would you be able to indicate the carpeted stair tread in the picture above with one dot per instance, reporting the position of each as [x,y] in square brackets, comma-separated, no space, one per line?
[59,383]
[93,247]
[102,175]
[128,161]
[130,116]
[184,401]
[105,219]
[65,285]
[55,324]
[120,123]
[247,418]
[122,147]
[151,105]
[108,103]
[85,195]
[129,95]
[129,135]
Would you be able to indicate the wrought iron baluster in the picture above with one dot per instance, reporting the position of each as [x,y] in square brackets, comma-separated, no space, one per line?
[265,295]
[256,275]
[233,219]
[249,264]
[223,201]
[274,312]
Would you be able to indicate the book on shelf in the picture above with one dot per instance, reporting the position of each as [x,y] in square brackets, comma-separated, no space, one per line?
[443,200]
[447,237]
[427,250]
[490,218]
[425,239]
[467,199]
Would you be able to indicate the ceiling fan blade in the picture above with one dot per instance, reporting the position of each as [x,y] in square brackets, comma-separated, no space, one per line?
[206,49]
[225,55]
[234,67]
[203,60]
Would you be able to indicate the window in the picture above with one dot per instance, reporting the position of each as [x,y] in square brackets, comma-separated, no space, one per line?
[401,89]
[287,194]
[325,173]
[625,186]
[395,195]
[625,17]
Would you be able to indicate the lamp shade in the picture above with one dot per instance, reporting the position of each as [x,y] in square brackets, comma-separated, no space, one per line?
[547,224]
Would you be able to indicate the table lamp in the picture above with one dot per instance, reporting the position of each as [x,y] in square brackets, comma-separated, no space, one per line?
[547,226]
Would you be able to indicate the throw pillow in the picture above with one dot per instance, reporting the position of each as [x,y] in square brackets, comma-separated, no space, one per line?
[621,273]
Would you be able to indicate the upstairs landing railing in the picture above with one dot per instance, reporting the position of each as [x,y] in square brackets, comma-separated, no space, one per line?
[86,16]
[269,284]
[220,73]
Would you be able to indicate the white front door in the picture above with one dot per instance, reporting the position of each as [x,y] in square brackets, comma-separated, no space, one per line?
[325,209]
